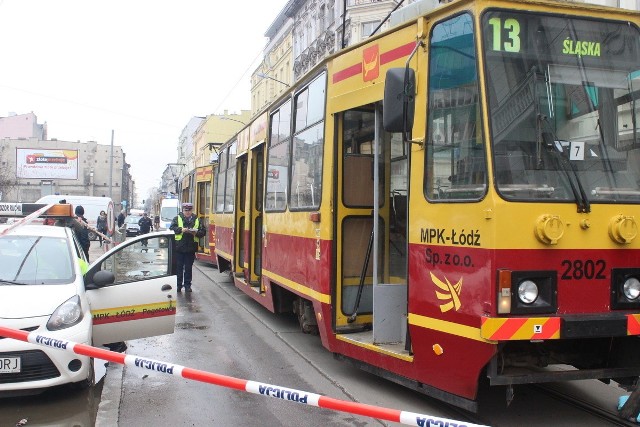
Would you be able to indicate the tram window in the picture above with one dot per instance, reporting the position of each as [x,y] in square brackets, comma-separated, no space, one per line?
[563,126]
[455,157]
[278,159]
[307,150]
[220,181]
[310,103]
[306,172]
[230,187]
[357,169]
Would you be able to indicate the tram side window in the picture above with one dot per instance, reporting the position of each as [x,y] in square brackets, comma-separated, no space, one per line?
[358,134]
[307,151]
[230,187]
[455,157]
[278,159]
[220,180]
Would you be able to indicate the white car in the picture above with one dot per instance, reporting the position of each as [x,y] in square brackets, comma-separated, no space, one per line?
[127,293]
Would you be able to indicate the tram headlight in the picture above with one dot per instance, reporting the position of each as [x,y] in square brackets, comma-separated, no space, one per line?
[528,291]
[631,288]
[625,288]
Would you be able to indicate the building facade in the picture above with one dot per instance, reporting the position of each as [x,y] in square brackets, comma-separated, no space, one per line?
[17,126]
[40,168]
[214,130]
[307,31]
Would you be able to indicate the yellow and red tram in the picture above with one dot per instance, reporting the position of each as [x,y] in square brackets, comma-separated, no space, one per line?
[454,199]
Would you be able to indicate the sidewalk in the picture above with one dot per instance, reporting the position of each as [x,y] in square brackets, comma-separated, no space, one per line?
[96,251]
[108,409]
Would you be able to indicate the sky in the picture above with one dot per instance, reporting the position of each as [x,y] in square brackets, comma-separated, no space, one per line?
[139,68]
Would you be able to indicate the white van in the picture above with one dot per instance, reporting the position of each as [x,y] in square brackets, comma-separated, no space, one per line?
[92,207]
[169,209]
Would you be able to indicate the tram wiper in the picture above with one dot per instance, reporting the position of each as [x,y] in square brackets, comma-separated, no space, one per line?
[579,195]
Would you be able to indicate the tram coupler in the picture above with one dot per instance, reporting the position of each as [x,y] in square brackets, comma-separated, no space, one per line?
[629,406]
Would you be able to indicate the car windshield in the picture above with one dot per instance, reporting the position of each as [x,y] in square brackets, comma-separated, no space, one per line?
[564,117]
[35,260]
[167,213]
[132,219]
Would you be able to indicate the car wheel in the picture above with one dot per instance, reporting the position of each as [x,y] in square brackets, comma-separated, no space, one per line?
[90,381]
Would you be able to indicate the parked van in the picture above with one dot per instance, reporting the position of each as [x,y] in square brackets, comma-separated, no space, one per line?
[169,209]
[92,207]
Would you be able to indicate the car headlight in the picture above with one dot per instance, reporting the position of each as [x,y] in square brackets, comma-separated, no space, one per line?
[631,288]
[69,313]
[528,291]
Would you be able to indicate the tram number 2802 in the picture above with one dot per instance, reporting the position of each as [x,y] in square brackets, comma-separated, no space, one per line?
[578,269]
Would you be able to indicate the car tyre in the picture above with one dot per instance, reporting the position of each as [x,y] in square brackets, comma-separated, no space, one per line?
[90,381]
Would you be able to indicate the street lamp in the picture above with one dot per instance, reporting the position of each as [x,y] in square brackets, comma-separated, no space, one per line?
[264,76]
[232,120]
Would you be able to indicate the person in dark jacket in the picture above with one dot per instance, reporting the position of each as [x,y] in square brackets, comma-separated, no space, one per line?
[81,230]
[188,229]
[101,225]
[121,217]
[145,225]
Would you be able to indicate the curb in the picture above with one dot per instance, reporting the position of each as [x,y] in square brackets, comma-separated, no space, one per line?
[109,407]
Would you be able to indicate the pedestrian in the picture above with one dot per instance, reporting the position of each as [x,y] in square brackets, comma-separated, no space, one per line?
[121,216]
[188,229]
[81,230]
[156,222]
[145,225]
[101,225]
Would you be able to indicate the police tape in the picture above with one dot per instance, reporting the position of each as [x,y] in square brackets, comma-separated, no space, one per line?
[263,389]
[27,219]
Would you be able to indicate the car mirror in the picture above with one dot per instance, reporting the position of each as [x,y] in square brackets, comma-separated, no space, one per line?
[103,278]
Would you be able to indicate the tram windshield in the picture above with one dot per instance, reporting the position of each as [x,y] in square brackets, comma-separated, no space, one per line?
[564,98]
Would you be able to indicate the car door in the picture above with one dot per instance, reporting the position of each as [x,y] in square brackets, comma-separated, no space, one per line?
[139,301]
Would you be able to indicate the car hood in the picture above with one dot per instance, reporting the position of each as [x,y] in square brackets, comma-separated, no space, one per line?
[19,302]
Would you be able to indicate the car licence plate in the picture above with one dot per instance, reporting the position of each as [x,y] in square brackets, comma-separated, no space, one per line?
[9,365]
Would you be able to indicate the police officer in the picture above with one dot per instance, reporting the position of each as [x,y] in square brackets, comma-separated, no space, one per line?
[188,229]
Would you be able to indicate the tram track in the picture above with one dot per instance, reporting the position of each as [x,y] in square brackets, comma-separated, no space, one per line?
[496,417]
[611,417]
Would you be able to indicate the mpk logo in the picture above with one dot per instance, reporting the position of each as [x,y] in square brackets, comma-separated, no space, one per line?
[450,293]
[370,63]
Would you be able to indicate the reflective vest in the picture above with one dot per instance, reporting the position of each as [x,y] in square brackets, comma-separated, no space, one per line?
[196,225]
[83,266]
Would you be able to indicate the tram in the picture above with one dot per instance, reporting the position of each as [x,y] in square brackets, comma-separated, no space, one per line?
[454,201]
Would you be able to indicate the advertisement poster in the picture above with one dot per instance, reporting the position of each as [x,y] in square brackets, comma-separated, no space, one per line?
[37,163]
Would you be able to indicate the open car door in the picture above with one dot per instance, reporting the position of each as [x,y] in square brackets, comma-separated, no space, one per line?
[131,289]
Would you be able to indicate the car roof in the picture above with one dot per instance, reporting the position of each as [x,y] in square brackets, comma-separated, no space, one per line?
[37,230]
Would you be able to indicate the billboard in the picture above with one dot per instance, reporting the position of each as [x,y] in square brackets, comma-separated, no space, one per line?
[46,164]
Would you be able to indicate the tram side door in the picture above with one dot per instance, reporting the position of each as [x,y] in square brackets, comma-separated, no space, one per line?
[240,217]
[365,302]
[255,208]
[248,217]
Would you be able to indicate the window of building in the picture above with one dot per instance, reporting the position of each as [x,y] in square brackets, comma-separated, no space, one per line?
[368,27]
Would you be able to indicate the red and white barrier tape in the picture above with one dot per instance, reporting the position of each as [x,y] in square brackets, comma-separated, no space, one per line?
[268,390]
[27,219]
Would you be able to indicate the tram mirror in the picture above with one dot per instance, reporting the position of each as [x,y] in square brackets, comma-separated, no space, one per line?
[399,100]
